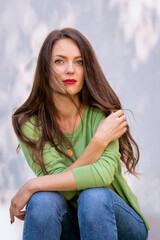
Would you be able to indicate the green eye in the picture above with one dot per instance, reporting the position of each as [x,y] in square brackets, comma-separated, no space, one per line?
[80,62]
[58,61]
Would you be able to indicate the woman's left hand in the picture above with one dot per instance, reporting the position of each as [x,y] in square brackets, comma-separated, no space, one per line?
[20,200]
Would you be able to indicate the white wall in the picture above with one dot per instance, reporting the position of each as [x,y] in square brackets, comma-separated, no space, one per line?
[126,38]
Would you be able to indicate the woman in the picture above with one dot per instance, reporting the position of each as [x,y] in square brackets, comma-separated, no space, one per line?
[72,130]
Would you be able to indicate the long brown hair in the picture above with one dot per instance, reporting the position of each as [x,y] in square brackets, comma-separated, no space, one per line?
[96,92]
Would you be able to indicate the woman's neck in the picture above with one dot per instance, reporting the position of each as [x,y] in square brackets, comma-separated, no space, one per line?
[69,118]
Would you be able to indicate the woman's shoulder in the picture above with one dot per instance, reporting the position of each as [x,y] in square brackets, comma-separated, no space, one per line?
[31,129]
[94,116]
[95,113]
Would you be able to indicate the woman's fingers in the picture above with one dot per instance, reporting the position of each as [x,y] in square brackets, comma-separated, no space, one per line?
[19,201]
[21,216]
[124,130]
[119,113]
[15,211]
[11,216]
[11,211]
[121,118]
[122,121]
[124,124]
[112,127]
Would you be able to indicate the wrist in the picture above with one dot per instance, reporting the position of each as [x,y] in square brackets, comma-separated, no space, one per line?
[99,142]
[31,185]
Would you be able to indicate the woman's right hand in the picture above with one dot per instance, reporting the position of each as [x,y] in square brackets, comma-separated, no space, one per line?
[111,128]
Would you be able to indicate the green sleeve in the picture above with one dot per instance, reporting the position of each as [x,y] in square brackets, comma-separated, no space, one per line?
[100,173]
[54,162]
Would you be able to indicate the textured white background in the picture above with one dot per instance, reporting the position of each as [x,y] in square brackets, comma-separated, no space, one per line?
[126,38]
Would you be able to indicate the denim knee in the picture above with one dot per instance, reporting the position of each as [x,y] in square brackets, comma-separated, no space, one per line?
[95,196]
[93,201]
[44,206]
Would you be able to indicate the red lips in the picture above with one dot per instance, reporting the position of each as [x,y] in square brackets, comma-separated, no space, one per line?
[70,81]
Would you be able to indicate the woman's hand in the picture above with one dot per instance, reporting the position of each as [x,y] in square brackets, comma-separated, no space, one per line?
[20,200]
[111,128]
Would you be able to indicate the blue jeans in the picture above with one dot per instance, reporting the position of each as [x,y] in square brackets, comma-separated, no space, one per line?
[101,215]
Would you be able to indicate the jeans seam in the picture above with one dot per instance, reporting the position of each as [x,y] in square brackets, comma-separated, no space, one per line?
[24,232]
[115,226]
[141,221]
[68,213]
[26,222]
[65,212]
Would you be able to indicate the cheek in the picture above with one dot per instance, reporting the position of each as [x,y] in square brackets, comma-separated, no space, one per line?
[81,72]
[81,82]
[59,69]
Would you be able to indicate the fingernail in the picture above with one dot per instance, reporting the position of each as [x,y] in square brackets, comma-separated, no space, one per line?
[11,221]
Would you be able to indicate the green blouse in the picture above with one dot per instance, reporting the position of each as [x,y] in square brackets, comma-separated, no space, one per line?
[106,172]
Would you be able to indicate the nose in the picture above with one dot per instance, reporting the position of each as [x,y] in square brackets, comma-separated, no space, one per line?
[69,67]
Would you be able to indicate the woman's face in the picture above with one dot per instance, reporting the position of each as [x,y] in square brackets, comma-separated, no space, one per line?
[67,63]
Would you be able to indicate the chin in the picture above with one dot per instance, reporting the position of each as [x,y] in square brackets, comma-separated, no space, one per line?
[73,92]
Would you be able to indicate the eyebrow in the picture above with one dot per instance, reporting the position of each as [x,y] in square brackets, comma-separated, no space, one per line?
[66,57]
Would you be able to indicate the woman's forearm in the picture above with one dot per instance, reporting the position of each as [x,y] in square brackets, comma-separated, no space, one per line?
[91,154]
[59,182]
[65,181]
[110,129]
